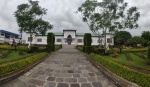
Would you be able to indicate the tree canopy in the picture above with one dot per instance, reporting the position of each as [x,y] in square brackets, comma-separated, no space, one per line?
[122,36]
[29,18]
[146,35]
[108,16]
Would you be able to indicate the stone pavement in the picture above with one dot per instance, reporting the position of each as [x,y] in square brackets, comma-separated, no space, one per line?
[64,68]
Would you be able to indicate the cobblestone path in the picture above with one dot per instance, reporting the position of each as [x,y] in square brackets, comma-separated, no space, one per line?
[64,68]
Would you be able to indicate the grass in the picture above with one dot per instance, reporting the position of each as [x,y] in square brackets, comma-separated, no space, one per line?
[137,61]
[13,56]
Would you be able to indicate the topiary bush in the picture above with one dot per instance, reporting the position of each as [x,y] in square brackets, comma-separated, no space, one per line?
[88,49]
[50,42]
[87,43]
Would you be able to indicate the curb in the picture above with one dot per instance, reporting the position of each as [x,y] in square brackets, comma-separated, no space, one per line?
[119,81]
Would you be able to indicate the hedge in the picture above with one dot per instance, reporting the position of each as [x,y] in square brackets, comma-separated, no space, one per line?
[87,43]
[16,65]
[134,76]
[50,42]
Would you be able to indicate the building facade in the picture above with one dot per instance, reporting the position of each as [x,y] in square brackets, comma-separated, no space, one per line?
[69,37]
[8,37]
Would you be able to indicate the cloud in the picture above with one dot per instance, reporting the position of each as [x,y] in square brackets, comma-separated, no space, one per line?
[61,13]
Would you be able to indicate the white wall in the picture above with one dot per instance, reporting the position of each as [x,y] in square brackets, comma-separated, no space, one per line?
[72,33]
[59,37]
[79,37]
[74,41]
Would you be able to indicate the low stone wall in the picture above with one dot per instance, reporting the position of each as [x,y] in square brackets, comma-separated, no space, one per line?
[120,82]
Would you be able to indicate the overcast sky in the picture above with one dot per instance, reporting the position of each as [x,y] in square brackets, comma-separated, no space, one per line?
[61,13]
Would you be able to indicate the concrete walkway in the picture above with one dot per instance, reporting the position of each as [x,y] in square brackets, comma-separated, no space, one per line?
[64,68]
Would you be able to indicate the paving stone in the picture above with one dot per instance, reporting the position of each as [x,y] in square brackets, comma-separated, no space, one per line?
[74,85]
[41,72]
[31,86]
[49,70]
[86,85]
[91,79]
[91,74]
[76,75]
[59,79]
[82,80]
[50,84]
[96,84]
[71,80]
[42,77]
[49,73]
[70,71]
[34,75]
[62,85]
[51,78]
[37,82]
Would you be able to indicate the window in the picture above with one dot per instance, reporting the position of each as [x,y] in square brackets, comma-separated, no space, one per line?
[39,40]
[99,40]
[12,36]
[109,40]
[59,40]
[29,38]
[2,34]
[79,40]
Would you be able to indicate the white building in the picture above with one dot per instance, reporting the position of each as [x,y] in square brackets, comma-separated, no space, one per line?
[69,37]
[8,37]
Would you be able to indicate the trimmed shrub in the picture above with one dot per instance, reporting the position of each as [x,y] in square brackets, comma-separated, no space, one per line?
[50,42]
[34,48]
[53,44]
[87,43]
[87,39]
[139,78]
[88,49]
[50,39]
[83,48]
[98,50]
[16,65]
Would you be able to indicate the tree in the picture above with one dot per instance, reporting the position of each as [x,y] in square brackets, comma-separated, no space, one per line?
[136,40]
[29,18]
[108,15]
[146,36]
[121,37]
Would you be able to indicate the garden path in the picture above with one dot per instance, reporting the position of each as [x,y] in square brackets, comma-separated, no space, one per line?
[67,67]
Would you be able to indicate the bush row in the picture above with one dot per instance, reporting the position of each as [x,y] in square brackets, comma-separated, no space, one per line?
[12,47]
[16,65]
[134,76]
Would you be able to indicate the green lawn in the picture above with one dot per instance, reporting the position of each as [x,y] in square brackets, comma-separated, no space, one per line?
[13,56]
[137,61]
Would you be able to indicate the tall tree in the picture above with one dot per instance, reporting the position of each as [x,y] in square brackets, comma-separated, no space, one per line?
[146,36]
[121,37]
[28,16]
[108,15]
[136,40]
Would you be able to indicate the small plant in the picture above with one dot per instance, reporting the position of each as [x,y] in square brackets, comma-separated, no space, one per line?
[115,54]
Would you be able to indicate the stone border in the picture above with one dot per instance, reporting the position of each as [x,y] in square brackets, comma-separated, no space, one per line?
[121,82]
[10,76]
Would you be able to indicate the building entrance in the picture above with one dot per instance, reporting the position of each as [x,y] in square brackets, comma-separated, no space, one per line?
[69,39]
